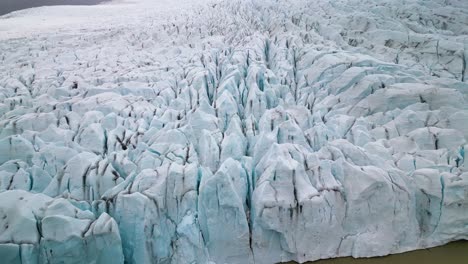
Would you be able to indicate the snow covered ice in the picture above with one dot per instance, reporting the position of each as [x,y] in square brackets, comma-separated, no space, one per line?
[232,131]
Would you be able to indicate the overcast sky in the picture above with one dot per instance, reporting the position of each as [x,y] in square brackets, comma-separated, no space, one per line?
[7,6]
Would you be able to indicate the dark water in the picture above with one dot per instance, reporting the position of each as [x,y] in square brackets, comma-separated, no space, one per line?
[7,6]
[453,253]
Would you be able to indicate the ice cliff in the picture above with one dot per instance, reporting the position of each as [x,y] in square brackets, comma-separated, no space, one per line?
[236,132]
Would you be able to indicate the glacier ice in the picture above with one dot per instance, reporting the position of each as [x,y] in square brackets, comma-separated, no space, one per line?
[233,131]
[39,229]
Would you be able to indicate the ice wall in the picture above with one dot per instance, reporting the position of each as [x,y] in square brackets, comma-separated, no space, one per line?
[237,132]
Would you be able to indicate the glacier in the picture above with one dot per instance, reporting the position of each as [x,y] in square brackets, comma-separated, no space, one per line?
[232,131]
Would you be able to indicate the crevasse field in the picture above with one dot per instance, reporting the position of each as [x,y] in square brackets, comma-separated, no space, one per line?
[232,131]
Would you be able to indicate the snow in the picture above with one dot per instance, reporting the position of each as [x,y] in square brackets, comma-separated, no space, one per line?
[232,131]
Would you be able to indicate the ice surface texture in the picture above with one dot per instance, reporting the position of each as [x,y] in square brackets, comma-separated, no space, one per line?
[236,132]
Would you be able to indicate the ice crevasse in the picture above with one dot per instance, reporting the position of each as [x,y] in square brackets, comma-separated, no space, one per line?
[237,132]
